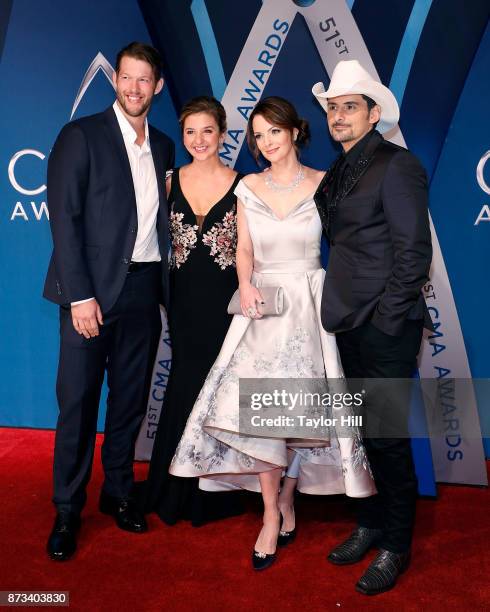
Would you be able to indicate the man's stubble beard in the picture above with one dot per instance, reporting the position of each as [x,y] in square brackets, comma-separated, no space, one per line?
[342,137]
[138,113]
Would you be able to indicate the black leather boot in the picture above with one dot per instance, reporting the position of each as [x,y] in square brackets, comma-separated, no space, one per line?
[355,547]
[383,572]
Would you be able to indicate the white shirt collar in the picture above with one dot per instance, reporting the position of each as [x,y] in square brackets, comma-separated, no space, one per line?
[127,129]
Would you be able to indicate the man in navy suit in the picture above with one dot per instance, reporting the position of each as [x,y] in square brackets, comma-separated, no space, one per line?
[108,273]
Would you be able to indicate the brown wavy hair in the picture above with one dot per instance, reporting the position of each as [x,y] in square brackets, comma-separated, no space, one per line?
[204,104]
[280,112]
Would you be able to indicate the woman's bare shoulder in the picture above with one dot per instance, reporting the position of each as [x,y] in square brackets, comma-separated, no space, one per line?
[314,176]
[252,180]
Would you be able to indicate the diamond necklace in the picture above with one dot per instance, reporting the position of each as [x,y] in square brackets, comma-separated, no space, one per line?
[269,181]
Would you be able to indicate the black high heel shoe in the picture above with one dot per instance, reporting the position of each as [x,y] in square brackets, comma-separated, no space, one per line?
[261,561]
[285,537]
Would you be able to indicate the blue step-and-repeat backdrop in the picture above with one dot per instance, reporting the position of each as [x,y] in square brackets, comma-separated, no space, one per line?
[56,58]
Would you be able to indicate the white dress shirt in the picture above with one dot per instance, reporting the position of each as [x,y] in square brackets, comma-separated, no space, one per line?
[146,191]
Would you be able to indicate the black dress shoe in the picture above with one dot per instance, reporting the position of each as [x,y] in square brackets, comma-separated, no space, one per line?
[62,541]
[261,561]
[125,512]
[383,572]
[286,537]
[355,547]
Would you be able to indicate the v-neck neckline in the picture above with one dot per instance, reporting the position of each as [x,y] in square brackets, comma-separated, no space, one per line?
[204,217]
[291,210]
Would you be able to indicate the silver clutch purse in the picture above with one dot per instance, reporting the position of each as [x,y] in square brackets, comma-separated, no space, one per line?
[273,302]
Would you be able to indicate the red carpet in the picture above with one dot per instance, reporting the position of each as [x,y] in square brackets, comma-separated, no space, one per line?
[182,568]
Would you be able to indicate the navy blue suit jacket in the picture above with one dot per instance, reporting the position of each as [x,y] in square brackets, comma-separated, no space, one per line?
[92,209]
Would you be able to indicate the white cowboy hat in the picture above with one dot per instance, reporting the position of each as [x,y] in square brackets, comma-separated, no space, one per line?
[349,77]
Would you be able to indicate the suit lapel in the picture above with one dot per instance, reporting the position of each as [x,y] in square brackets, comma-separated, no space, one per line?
[326,205]
[351,179]
[360,167]
[117,141]
[321,194]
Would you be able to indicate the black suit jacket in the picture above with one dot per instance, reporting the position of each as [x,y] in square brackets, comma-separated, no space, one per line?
[92,209]
[380,242]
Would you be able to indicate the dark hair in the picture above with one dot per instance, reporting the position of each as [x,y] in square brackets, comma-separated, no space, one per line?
[144,52]
[282,113]
[370,104]
[204,104]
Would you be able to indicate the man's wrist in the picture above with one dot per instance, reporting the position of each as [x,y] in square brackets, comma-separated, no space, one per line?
[82,301]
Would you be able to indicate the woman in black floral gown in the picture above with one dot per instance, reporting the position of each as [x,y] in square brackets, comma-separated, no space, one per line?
[202,281]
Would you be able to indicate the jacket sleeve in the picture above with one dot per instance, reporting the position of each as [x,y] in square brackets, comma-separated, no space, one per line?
[68,174]
[405,203]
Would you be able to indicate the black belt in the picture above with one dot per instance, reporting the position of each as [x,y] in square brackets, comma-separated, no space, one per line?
[136,266]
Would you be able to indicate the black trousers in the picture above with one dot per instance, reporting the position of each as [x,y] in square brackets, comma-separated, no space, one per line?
[367,352]
[125,348]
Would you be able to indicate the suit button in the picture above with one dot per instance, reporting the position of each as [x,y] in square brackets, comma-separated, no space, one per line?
[125,261]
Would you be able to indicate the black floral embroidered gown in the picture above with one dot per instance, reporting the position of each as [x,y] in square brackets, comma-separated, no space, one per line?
[202,280]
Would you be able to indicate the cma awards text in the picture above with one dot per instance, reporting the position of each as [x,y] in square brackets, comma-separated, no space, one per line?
[484,214]
[23,210]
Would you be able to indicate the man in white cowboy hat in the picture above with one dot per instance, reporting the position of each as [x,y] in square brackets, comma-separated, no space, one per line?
[373,206]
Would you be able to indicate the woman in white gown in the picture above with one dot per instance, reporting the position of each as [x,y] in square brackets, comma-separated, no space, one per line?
[279,234]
